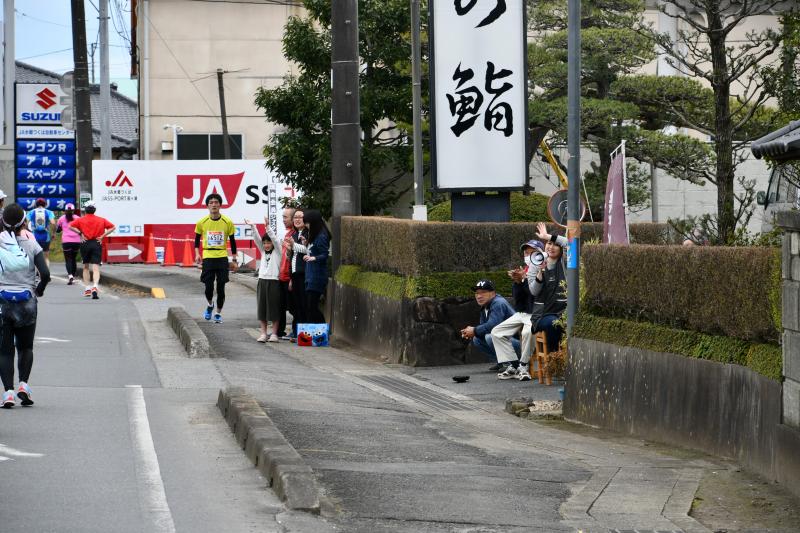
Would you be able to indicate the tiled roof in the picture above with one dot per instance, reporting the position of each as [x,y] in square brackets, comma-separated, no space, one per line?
[780,145]
[124,111]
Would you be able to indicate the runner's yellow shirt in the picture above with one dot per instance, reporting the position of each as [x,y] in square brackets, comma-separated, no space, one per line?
[214,234]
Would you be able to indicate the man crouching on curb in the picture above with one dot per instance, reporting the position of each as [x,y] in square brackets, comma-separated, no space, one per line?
[494,310]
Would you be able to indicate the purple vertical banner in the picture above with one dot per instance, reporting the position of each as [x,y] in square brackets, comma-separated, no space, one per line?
[615,226]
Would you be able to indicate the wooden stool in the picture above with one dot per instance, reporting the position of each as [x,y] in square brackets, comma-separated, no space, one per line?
[542,357]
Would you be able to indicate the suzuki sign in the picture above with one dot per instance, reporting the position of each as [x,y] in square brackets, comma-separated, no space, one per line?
[134,193]
[39,103]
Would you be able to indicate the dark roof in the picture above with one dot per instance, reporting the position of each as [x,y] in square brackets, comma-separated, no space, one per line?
[124,111]
[29,74]
[780,145]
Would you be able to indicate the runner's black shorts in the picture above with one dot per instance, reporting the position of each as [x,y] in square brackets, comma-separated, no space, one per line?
[92,252]
[215,267]
[44,244]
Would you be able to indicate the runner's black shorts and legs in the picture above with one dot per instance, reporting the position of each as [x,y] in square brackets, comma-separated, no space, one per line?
[215,269]
[92,252]
[17,328]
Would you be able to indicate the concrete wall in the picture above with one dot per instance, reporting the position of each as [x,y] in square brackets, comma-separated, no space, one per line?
[790,221]
[725,410]
[7,171]
[188,42]
[419,332]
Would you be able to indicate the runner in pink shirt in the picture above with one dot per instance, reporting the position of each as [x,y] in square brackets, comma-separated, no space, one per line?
[70,241]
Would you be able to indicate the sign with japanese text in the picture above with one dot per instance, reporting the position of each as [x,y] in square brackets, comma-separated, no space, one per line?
[479,85]
[44,151]
[134,193]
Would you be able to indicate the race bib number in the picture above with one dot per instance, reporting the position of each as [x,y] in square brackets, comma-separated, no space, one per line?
[215,238]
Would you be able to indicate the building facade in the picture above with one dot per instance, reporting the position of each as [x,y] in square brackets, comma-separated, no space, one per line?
[180,46]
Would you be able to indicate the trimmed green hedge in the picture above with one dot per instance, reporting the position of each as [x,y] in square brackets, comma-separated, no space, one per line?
[412,248]
[529,208]
[714,290]
[440,285]
[766,359]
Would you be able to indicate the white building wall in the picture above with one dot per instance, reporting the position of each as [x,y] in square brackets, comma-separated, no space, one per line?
[188,42]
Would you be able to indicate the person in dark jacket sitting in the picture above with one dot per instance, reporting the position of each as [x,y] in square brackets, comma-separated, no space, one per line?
[494,310]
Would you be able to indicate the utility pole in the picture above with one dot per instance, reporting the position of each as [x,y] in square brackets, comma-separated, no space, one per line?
[345,118]
[420,209]
[105,85]
[9,73]
[574,165]
[83,110]
[226,146]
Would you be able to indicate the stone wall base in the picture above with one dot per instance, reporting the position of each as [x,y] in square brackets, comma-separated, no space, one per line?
[725,410]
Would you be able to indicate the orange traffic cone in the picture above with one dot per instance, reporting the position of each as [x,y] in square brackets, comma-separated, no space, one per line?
[150,253]
[169,253]
[188,254]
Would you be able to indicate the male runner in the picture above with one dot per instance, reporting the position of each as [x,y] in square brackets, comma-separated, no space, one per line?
[40,221]
[92,229]
[213,230]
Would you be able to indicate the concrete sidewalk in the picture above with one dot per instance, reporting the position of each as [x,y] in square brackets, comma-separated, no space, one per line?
[407,449]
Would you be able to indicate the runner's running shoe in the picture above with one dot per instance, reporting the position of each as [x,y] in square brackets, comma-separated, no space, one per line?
[24,394]
[94,294]
[8,399]
[209,310]
[71,280]
[218,318]
[87,293]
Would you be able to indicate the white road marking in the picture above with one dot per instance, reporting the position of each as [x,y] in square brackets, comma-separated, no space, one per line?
[48,340]
[6,453]
[150,485]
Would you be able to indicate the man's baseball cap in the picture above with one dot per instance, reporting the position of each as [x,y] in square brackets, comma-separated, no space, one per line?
[90,203]
[483,285]
[41,201]
[2,194]
[69,206]
[533,243]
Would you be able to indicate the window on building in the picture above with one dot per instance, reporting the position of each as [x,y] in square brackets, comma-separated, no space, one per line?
[208,146]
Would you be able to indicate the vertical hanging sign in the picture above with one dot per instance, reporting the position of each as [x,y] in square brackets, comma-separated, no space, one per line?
[479,94]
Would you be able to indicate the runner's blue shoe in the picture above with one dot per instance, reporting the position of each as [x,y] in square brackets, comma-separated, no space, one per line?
[209,310]
[8,399]
[218,318]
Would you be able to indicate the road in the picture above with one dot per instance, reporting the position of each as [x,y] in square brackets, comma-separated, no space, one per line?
[106,447]
[125,436]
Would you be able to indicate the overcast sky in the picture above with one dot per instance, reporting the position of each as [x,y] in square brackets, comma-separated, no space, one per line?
[44,38]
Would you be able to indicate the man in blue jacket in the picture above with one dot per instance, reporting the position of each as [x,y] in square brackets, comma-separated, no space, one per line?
[494,310]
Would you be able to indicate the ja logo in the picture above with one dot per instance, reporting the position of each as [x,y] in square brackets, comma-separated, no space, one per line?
[194,188]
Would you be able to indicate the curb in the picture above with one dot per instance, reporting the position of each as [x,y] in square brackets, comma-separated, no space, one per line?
[119,282]
[268,450]
[192,338]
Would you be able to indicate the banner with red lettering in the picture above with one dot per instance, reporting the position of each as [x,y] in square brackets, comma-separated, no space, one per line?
[134,193]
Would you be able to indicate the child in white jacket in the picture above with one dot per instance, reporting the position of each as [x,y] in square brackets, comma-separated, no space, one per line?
[268,291]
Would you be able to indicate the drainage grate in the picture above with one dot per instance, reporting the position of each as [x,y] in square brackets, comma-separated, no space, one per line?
[415,392]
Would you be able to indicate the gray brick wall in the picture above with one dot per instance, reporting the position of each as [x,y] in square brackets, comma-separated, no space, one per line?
[790,221]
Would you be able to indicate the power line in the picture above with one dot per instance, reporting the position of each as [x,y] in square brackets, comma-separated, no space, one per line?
[45,54]
[22,14]
[186,74]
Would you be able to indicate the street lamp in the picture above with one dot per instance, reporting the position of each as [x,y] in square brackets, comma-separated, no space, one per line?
[175,131]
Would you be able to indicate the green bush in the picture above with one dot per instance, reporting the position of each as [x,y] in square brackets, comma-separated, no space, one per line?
[413,248]
[713,290]
[766,359]
[531,208]
[440,285]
